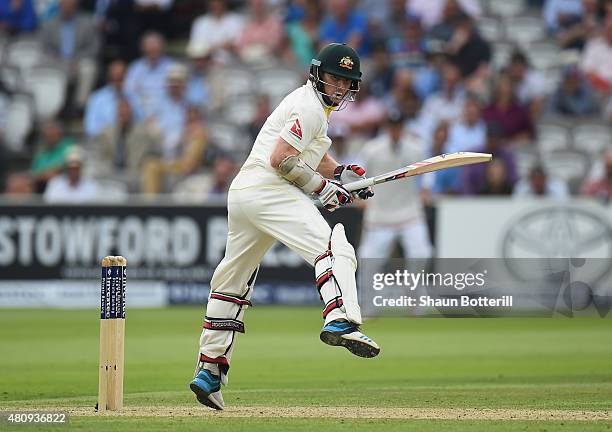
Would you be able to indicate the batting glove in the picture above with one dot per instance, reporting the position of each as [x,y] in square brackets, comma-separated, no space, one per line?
[350,173]
[333,196]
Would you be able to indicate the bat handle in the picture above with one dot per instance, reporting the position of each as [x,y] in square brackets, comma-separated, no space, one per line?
[359,184]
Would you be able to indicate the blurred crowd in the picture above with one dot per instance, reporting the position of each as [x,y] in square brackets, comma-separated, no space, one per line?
[163,96]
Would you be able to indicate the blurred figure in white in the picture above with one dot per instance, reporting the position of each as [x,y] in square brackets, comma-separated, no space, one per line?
[70,186]
[219,28]
[597,58]
[540,185]
[146,77]
[601,187]
[397,213]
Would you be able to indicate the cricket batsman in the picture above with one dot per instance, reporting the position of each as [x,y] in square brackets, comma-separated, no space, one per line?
[270,200]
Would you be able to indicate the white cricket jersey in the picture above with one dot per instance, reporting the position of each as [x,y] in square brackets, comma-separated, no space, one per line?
[398,202]
[301,120]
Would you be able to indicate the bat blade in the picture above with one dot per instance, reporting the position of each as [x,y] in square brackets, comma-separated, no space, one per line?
[443,161]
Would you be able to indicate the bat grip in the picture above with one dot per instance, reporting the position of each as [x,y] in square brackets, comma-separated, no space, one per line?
[359,184]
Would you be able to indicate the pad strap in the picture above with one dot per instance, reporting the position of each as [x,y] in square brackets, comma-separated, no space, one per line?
[231,299]
[223,324]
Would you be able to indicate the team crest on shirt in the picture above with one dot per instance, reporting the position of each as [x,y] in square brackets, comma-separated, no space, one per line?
[346,62]
[296,129]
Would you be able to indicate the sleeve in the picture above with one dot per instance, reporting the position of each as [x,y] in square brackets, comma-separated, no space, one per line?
[301,128]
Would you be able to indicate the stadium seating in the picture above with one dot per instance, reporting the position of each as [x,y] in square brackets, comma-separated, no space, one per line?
[24,54]
[48,85]
[20,117]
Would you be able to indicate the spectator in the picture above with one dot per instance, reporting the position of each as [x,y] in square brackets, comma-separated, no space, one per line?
[410,106]
[471,52]
[597,58]
[101,109]
[261,36]
[120,29]
[154,15]
[209,187]
[496,181]
[409,51]
[432,12]
[382,71]
[362,116]
[71,40]
[539,185]
[224,171]
[474,176]
[575,35]
[601,188]
[146,77]
[505,110]
[401,84]
[50,156]
[397,213]
[219,28]
[17,16]
[303,34]
[530,85]
[262,112]
[345,24]
[561,13]
[387,19]
[470,132]
[574,96]
[70,186]
[446,104]
[170,117]
[443,182]
[198,92]
[428,79]
[159,173]
[122,147]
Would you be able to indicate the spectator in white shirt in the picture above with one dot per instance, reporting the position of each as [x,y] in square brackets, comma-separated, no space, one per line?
[71,187]
[444,105]
[597,58]
[218,28]
[146,77]
[539,185]
[471,131]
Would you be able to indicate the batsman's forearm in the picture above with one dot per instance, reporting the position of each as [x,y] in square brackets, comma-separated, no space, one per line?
[327,166]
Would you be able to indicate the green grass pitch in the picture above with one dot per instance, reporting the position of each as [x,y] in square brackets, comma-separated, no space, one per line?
[431,375]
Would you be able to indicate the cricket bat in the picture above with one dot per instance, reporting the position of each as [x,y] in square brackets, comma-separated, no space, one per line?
[443,161]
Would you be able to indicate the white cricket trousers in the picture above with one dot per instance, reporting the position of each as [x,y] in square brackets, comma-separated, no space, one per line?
[257,217]
[376,242]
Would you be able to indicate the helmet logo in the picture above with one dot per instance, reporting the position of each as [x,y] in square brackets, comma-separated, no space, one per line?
[346,62]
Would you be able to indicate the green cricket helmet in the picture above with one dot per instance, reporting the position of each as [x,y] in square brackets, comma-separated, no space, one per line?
[340,60]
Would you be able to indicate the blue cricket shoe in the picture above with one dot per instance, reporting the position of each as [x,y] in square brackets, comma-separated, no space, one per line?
[207,388]
[344,333]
